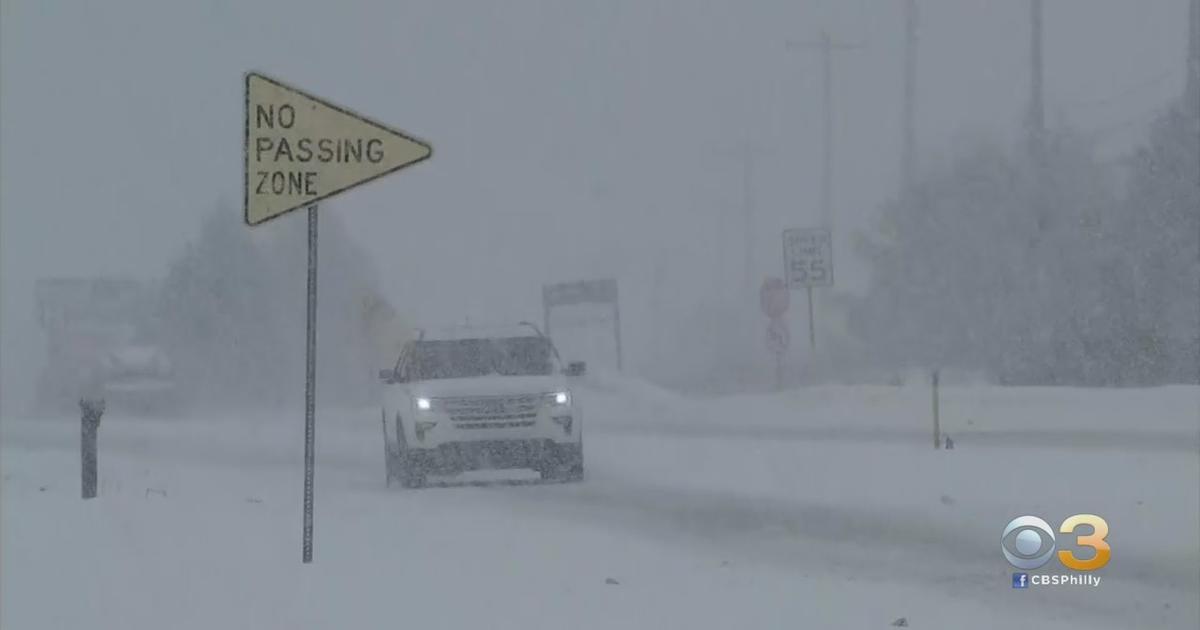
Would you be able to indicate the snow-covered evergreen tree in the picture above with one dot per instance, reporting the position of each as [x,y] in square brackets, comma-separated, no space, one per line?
[233,308]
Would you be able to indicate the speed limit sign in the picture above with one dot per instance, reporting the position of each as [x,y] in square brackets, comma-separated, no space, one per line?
[808,257]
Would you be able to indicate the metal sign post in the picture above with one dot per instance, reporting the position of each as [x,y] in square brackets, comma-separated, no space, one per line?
[778,340]
[298,150]
[310,384]
[774,298]
[812,328]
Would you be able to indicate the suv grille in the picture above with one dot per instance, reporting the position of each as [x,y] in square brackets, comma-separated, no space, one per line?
[491,408]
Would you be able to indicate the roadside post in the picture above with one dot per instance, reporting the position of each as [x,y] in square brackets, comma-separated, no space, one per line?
[299,150]
[387,449]
[91,410]
[774,298]
[808,263]
[778,340]
[937,428]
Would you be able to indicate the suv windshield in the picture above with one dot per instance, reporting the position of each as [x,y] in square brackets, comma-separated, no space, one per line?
[465,358]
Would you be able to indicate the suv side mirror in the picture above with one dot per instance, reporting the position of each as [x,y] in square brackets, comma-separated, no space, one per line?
[575,368]
[388,376]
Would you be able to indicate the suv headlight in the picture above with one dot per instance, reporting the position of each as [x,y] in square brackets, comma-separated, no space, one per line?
[561,399]
[424,404]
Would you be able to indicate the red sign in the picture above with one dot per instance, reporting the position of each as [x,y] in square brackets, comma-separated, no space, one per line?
[778,336]
[774,297]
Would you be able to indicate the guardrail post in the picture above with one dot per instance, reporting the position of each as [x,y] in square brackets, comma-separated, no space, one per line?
[937,428]
[89,428]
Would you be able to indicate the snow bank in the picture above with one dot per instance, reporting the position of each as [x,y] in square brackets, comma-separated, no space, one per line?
[198,521]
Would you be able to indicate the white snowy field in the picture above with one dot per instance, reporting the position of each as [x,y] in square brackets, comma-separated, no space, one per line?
[820,508]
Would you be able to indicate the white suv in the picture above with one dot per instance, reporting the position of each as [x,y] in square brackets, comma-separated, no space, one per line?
[470,400]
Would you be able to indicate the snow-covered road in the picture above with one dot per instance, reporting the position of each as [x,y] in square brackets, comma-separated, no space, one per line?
[823,508]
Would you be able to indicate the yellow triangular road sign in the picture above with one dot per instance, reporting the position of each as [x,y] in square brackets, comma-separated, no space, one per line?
[301,149]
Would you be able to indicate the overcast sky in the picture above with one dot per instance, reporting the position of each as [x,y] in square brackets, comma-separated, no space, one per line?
[571,139]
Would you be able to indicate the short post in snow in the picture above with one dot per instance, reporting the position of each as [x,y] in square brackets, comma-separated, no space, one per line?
[779,370]
[387,449]
[812,323]
[89,427]
[937,428]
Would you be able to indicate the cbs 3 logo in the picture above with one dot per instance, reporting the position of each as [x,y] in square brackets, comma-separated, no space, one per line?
[1028,542]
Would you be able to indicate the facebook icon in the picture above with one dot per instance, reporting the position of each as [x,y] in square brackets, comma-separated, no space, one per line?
[1020,580]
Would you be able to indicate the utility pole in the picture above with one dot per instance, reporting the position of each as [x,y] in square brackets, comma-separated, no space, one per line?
[827,133]
[1037,259]
[908,167]
[746,151]
[748,216]
[827,47]
[1036,122]
[1191,98]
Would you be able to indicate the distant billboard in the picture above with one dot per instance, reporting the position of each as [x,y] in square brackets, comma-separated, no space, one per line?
[601,291]
[582,292]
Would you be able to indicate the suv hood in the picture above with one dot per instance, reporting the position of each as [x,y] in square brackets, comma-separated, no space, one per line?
[489,386]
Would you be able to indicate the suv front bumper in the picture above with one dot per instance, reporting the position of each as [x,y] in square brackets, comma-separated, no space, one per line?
[537,454]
